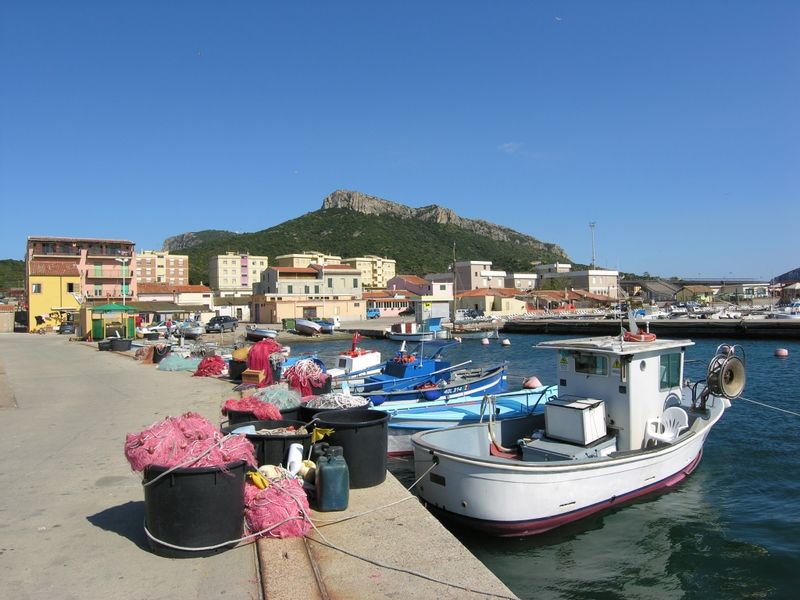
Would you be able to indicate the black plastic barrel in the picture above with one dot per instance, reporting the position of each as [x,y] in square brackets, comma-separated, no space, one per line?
[104,345]
[194,508]
[236,368]
[364,436]
[120,344]
[272,449]
[151,336]
[160,352]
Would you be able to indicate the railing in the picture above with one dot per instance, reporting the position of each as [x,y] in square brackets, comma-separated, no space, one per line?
[108,273]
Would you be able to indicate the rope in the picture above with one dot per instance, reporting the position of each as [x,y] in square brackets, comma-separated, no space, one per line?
[768,406]
[247,538]
[188,462]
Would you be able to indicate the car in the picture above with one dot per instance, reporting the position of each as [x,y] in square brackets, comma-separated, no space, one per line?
[160,327]
[67,327]
[221,323]
[409,310]
[373,313]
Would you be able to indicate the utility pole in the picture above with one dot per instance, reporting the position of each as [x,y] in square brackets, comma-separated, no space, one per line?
[594,261]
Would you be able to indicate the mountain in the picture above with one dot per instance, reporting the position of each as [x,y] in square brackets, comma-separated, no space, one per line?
[354,224]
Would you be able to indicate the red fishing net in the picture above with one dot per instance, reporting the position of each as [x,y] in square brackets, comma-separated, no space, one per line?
[284,500]
[263,411]
[211,366]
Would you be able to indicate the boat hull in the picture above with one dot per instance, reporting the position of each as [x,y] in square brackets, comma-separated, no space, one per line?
[256,335]
[506,497]
[411,418]
[494,381]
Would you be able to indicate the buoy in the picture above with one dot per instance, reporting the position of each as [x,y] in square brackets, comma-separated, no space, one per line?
[457,338]
[506,342]
[531,382]
[782,353]
[485,341]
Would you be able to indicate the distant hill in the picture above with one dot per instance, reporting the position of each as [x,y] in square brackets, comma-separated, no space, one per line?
[354,224]
[12,274]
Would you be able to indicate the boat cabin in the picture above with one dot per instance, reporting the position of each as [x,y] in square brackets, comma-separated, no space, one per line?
[606,384]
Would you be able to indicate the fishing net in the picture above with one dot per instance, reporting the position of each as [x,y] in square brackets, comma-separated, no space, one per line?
[173,362]
[144,355]
[283,501]
[260,358]
[212,366]
[189,440]
[263,411]
[279,394]
[336,400]
[305,374]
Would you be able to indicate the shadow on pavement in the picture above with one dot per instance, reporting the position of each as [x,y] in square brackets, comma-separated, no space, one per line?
[125,520]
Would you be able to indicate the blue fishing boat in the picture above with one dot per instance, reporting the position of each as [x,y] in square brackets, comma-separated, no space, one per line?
[408,418]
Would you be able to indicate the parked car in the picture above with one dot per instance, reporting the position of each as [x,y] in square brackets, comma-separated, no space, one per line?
[218,324]
[373,313]
[409,310]
[160,327]
[67,327]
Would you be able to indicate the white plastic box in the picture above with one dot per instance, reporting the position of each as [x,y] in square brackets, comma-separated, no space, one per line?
[575,420]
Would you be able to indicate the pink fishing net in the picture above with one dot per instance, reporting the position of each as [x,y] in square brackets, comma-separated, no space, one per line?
[258,358]
[283,499]
[177,440]
[263,411]
[303,375]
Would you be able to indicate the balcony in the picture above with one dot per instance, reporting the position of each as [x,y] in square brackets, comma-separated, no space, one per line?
[107,273]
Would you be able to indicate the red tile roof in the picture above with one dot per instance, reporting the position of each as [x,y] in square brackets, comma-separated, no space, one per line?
[413,279]
[53,268]
[7,308]
[387,295]
[308,270]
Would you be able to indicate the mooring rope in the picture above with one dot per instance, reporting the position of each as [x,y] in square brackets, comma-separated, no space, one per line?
[769,406]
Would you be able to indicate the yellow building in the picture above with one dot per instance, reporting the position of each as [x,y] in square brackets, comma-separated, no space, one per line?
[375,271]
[53,287]
[303,259]
[233,274]
[154,266]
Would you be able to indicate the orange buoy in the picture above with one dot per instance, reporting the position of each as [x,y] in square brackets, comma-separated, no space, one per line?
[531,382]
[782,353]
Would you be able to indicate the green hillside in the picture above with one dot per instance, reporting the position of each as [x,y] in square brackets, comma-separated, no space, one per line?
[418,246]
[12,274]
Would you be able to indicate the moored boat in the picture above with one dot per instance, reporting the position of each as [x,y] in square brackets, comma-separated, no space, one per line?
[625,424]
[256,334]
[408,418]
[306,327]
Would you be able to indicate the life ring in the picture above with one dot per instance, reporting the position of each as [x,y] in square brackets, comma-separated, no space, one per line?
[639,337]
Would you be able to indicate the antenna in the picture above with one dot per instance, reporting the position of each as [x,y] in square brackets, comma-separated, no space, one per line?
[591,226]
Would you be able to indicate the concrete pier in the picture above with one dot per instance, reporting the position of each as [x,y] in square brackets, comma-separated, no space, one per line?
[72,510]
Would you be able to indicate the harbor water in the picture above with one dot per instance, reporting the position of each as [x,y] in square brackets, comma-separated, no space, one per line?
[730,530]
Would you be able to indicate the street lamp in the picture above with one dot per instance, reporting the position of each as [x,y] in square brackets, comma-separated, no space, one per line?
[124,260]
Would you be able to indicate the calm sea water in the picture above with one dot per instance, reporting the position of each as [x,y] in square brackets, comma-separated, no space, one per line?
[730,530]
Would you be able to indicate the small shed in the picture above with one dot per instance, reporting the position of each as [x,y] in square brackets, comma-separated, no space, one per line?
[106,316]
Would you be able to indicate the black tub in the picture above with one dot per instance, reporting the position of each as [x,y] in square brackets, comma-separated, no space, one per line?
[120,344]
[194,508]
[104,345]
[363,434]
[236,417]
[273,449]
[235,369]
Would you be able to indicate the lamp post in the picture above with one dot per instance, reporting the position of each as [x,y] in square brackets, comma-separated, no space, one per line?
[124,260]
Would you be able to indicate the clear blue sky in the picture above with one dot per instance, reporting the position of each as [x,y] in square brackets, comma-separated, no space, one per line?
[675,126]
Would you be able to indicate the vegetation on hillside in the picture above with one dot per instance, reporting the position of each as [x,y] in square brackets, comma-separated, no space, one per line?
[419,247]
[12,274]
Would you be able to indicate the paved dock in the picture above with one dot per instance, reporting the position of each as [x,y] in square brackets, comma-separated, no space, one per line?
[72,509]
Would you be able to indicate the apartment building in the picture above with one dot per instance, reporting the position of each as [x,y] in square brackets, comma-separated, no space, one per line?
[375,270]
[306,259]
[156,266]
[234,274]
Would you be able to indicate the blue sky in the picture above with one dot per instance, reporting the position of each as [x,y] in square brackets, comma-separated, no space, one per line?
[675,126]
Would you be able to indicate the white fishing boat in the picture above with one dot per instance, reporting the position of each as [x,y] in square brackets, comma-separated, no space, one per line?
[625,424]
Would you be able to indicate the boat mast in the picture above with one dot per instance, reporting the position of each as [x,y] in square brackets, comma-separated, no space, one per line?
[453,319]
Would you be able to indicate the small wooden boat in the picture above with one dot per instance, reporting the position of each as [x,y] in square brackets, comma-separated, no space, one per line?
[256,334]
[408,418]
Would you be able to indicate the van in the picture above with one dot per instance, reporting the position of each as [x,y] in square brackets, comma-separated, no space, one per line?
[373,313]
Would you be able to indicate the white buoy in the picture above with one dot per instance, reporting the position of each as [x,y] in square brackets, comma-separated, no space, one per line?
[531,382]
[782,353]
[506,342]
[485,341]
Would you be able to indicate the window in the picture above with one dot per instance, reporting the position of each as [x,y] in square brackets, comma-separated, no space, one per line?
[316,289]
[669,371]
[36,288]
[306,289]
[355,282]
[591,364]
[70,288]
[330,282]
[289,289]
[98,289]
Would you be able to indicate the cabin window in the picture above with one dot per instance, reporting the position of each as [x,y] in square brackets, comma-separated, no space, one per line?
[669,371]
[591,364]
[36,288]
